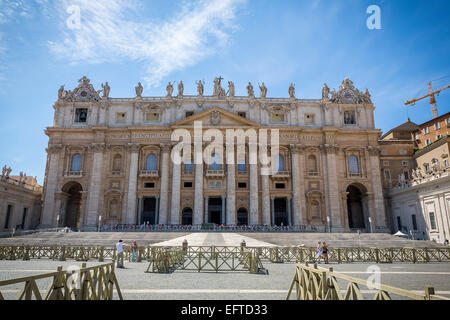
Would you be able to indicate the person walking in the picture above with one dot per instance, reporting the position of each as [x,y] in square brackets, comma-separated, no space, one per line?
[325,252]
[319,251]
[119,247]
[134,248]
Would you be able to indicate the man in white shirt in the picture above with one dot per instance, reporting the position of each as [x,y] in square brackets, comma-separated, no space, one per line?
[119,247]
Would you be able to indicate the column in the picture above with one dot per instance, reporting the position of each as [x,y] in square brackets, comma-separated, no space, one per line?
[157,211]
[141,207]
[298,188]
[176,194]
[164,193]
[198,198]
[223,213]
[130,212]
[254,195]
[48,215]
[231,194]
[272,222]
[332,190]
[206,209]
[95,184]
[288,200]
[380,214]
[265,200]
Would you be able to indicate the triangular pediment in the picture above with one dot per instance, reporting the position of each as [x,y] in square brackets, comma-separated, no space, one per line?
[216,117]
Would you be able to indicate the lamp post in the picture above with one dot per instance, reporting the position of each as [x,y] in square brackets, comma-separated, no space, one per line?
[370,224]
[99,223]
[329,224]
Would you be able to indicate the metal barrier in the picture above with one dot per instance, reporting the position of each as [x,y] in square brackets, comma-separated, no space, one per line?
[94,283]
[312,283]
[272,254]
[213,259]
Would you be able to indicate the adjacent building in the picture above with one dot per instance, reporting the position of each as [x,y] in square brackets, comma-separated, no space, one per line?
[110,160]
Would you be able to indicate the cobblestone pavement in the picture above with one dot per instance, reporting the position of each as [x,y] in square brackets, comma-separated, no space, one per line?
[135,284]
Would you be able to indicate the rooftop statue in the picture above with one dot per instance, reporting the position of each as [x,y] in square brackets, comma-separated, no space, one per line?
[250,91]
[263,90]
[139,89]
[325,91]
[292,91]
[169,89]
[200,87]
[180,89]
[106,90]
[231,89]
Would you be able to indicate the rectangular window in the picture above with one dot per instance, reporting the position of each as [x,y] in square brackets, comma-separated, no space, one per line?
[242,114]
[437,126]
[414,221]
[149,185]
[439,136]
[386,163]
[445,163]
[242,185]
[121,117]
[417,136]
[403,151]
[387,175]
[189,113]
[280,186]
[188,184]
[152,116]
[427,142]
[426,167]
[8,216]
[81,115]
[399,223]
[426,130]
[432,221]
[349,117]
[404,163]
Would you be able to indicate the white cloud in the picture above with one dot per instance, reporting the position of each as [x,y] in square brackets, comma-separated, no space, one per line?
[108,33]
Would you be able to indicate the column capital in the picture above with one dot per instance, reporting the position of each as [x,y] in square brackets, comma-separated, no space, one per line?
[54,148]
[165,147]
[297,148]
[97,147]
[133,147]
[374,151]
[330,148]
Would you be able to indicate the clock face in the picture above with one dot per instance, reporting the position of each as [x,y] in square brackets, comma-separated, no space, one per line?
[83,94]
[348,95]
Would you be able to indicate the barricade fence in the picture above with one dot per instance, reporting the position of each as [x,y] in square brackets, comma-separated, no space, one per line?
[87,283]
[272,254]
[312,283]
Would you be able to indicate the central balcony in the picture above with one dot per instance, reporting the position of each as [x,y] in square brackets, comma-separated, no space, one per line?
[74,174]
[149,174]
[281,175]
[215,173]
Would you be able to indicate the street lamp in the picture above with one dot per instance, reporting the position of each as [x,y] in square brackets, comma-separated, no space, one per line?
[328,222]
[99,222]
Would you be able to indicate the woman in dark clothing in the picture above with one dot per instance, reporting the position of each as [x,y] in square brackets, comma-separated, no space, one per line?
[325,252]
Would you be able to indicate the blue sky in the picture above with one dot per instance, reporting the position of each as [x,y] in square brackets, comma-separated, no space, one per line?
[278,42]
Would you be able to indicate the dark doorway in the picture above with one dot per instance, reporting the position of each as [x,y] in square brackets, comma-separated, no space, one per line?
[8,216]
[24,218]
[186,217]
[280,210]
[242,217]
[215,210]
[355,208]
[73,208]
[149,211]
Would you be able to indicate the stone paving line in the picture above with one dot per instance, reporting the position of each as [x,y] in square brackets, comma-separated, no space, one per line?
[135,284]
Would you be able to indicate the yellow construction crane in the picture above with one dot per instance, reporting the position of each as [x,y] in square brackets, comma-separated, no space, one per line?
[430,94]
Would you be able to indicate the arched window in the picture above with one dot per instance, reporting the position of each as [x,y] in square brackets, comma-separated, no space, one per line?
[353,165]
[76,163]
[216,162]
[151,162]
[279,163]
[312,164]
[241,166]
[117,162]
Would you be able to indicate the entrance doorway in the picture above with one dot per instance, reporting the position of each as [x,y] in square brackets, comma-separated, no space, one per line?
[186,217]
[355,208]
[73,208]
[280,212]
[149,211]
[215,210]
[242,217]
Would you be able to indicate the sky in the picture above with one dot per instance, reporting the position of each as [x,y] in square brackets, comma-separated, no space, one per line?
[48,43]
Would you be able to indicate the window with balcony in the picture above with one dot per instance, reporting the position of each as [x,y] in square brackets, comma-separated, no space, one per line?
[241,166]
[353,165]
[216,162]
[150,163]
[349,117]
[188,167]
[279,163]
[76,163]
[81,115]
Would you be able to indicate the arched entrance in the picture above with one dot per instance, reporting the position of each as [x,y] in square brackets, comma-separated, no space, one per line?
[73,207]
[242,217]
[186,217]
[356,208]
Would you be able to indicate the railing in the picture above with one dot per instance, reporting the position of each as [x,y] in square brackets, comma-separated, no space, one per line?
[74,174]
[215,173]
[149,173]
[281,174]
[92,283]
[313,173]
[312,283]
[209,259]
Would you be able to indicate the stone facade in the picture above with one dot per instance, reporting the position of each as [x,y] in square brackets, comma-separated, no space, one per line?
[110,160]
[20,202]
